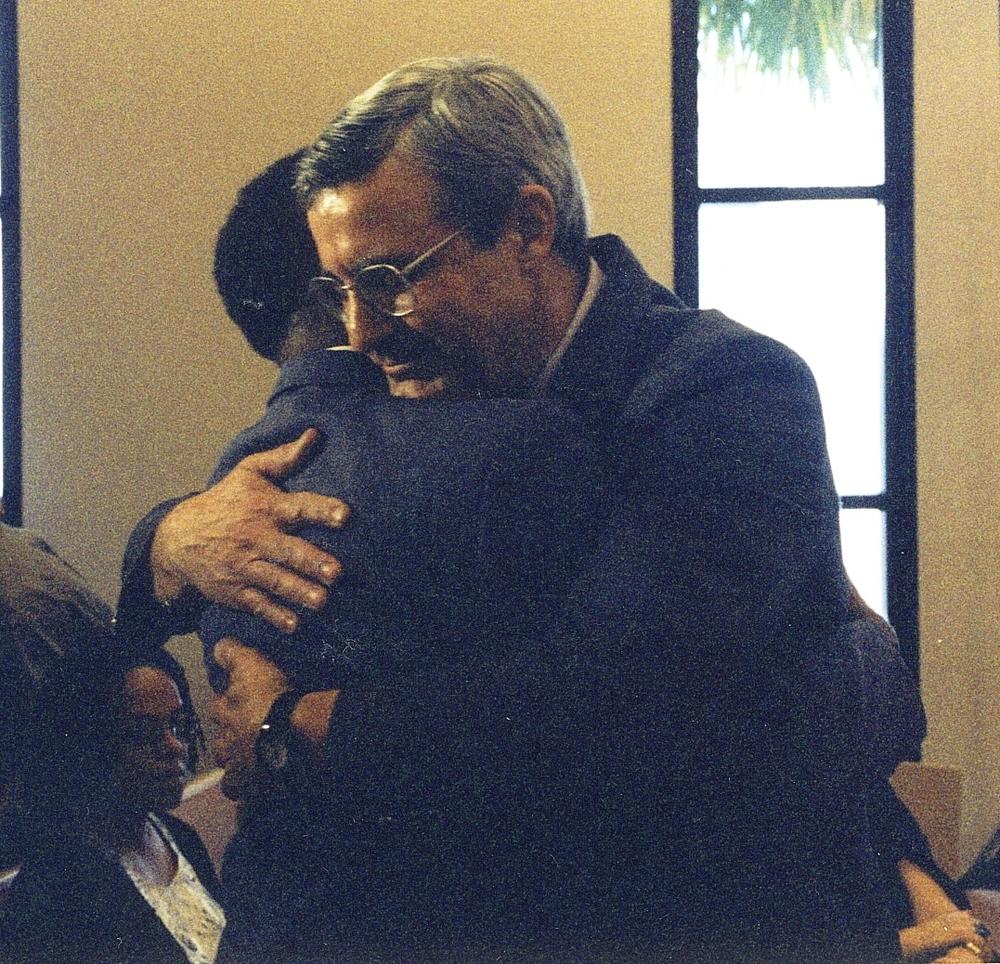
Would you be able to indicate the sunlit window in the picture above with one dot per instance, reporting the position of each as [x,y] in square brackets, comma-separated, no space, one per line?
[785,221]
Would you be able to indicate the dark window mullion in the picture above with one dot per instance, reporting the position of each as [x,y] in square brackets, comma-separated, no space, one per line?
[900,386]
[754,195]
[685,135]
[879,501]
[11,242]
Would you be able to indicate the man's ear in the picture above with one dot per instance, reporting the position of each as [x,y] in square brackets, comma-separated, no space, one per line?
[532,221]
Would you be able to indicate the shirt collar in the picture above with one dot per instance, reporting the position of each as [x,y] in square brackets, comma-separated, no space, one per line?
[595,276]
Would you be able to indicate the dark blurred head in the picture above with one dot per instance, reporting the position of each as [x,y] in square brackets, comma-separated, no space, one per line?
[264,258]
[47,615]
[111,738]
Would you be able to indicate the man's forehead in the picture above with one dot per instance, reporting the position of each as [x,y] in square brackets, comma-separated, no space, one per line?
[388,211]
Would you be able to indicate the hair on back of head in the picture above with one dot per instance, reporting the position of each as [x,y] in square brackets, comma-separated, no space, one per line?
[265,257]
[477,127]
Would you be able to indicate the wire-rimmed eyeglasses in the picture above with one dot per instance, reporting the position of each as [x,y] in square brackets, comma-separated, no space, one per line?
[382,287]
[149,732]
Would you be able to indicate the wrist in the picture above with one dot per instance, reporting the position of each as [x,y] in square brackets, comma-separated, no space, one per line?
[280,750]
[311,716]
[167,585]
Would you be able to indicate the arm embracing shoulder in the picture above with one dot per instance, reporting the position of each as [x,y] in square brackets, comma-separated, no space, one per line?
[142,620]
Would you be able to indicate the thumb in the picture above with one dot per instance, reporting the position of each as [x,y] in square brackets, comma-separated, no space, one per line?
[224,651]
[276,463]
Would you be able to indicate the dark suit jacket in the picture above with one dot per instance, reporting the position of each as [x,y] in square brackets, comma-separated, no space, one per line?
[72,903]
[728,717]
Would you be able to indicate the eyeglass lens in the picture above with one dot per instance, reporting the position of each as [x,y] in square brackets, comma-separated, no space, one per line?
[384,288]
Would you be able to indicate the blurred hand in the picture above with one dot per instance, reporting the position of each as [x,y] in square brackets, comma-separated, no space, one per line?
[946,938]
[254,684]
[234,543]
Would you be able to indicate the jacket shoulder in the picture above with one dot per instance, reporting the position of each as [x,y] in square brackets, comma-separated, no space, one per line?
[694,352]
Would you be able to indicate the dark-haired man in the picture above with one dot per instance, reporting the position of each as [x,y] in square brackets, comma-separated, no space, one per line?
[467,521]
[718,789]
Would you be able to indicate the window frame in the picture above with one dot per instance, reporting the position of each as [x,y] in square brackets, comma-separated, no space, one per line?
[10,239]
[899,497]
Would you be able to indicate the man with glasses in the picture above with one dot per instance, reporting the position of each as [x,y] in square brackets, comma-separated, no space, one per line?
[705,712]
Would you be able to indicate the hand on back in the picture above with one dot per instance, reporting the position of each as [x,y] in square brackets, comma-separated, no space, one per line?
[235,543]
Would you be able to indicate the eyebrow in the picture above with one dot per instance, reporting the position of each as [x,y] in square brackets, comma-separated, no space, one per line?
[397,261]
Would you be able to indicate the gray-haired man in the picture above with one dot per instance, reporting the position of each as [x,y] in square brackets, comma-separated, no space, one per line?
[706,713]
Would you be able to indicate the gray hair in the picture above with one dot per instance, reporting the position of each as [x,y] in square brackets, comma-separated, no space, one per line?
[477,127]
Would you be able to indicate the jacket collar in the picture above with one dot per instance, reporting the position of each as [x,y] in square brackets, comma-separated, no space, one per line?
[342,371]
[619,335]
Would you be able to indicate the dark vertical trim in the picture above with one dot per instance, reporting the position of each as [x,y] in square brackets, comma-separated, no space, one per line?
[900,366]
[10,212]
[684,86]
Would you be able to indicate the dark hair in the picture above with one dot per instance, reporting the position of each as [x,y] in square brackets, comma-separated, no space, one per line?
[265,256]
[478,128]
[65,765]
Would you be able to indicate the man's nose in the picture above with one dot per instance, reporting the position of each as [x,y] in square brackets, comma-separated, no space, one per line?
[366,326]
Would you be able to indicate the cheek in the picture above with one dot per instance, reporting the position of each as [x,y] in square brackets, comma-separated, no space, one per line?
[459,318]
[129,769]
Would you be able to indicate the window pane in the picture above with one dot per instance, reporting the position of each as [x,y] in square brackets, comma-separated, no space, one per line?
[862,533]
[759,129]
[812,275]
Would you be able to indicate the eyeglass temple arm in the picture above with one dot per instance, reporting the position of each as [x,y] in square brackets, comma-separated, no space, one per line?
[416,262]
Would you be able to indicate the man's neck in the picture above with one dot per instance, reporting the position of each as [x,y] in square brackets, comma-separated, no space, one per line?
[558,294]
[568,287]
[592,280]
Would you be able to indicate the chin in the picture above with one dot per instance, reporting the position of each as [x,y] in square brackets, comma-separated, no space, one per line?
[440,387]
[419,388]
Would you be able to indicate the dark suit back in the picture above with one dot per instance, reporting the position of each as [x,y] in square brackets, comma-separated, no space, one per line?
[468,520]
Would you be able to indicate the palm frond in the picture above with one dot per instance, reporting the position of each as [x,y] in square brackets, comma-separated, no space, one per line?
[777,35]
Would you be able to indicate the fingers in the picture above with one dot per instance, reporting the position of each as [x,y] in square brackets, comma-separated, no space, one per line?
[225,652]
[276,463]
[270,590]
[233,544]
[244,664]
[298,508]
[257,604]
[300,560]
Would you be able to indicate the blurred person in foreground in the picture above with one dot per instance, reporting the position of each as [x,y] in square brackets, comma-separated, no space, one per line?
[100,752]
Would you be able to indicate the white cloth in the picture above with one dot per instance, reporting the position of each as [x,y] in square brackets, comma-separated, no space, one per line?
[595,277]
[185,908]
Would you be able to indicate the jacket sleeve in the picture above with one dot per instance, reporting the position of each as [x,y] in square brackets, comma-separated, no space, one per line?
[142,621]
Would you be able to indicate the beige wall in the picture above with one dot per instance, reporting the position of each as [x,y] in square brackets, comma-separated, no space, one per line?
[957,138]
[142,118]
